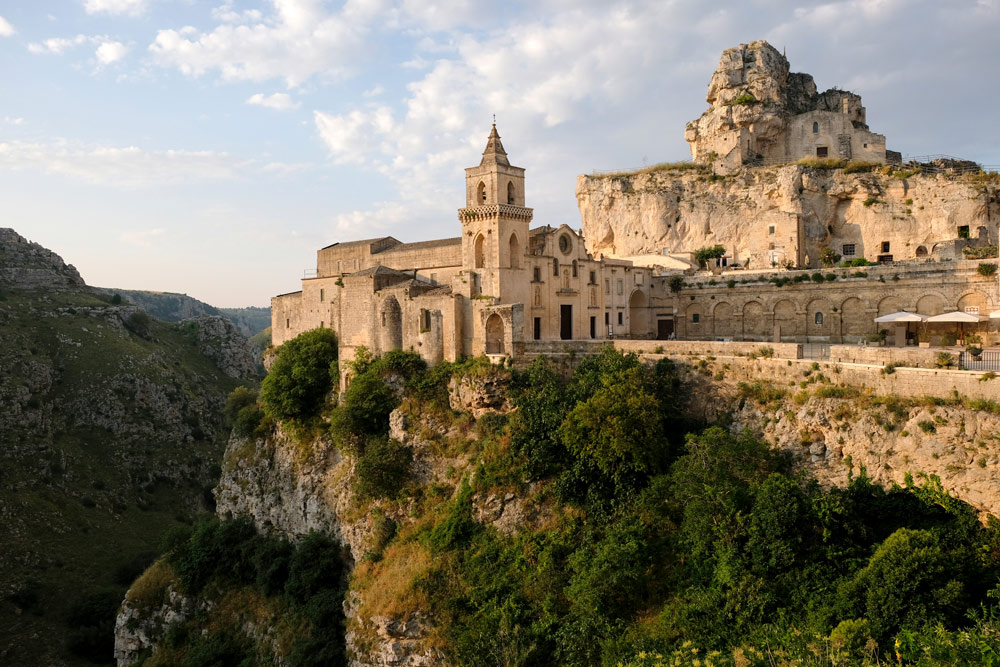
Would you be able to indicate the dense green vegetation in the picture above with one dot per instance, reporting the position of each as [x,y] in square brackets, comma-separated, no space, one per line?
[292,591]
[704,547]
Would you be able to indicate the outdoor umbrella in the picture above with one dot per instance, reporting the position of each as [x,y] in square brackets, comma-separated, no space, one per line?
[955,316]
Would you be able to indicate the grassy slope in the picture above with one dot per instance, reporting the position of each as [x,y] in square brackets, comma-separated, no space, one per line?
[118,447]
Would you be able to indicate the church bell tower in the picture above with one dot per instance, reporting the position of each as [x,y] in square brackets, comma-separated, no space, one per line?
[494,220]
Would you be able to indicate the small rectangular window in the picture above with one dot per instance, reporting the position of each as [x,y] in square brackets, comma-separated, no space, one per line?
[963,232]
[770,230]
[537,328]
[321,324]
[536,274]
[848,249]
[607,319]
[321,294]
[555,267]
[426,320]
[593,277]
[822,151]
[619,318]
[288,324]
[574,268]
[695,318]
[607,286]
[885,246]
[620,288]
[593,327]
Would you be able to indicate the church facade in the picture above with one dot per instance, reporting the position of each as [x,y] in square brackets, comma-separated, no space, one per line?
[490,290]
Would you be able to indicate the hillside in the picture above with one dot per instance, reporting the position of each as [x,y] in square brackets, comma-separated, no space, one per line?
[173,307]
[110,435]
[572,513]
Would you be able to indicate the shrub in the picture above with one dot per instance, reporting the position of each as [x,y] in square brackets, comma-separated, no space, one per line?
[300,378]
[702,255]
[116,299]
[676,283]
[139,323]
[730,283]
[818,277]
[871,201]
[822,163]
[858,167]
[364,410]
[927,426]
[829,256]
[745,98]
[986,269]
[382,468]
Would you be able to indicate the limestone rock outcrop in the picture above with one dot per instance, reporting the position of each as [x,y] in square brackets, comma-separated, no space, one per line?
[27,265]
[762,112]
[220,340]
[785,213]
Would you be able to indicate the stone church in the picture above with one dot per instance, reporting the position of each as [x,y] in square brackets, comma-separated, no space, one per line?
[488,291]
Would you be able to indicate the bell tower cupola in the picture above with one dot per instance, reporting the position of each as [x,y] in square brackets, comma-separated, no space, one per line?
[494,181]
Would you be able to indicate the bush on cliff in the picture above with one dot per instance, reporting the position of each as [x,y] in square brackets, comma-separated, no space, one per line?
[300,378]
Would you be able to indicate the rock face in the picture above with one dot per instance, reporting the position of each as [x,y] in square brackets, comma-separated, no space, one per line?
[290,489]
[219,340]
[762,112]
[479,395]
[786,214]
[27,265]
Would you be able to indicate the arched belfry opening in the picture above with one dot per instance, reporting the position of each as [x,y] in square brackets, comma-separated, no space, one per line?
[510,192]
[494,335]
[391,329]
[515,252]
[480,250]
[481,194]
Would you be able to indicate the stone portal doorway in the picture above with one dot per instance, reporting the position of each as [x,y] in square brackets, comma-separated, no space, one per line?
[664,329]
[494,334]
[566,322]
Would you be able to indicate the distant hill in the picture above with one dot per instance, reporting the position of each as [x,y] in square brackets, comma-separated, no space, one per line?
[111,430]
[173,307]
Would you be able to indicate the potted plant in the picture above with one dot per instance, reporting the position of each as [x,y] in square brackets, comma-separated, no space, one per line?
[974,345]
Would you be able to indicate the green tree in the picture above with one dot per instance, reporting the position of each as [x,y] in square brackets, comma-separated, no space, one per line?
[618,429]
[300,377]
[908,582]
[702,255]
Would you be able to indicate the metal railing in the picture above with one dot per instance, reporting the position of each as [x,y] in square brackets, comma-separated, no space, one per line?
[987,360]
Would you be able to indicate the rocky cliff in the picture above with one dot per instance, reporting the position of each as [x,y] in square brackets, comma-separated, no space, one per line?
[110,434]
[427,565]
[683,209]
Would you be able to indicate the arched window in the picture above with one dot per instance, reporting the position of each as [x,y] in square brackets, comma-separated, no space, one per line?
[815,128]
[481,194]
[819,318]
[555,266]
[480,252]
[510,192]
[574,268]
[515,252]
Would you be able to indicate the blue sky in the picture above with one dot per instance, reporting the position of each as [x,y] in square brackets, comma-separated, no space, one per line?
[211,147]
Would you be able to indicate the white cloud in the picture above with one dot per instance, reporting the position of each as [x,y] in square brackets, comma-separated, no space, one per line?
[279,101]
[356,136]
[59,45]
[132,7]
[127,167]
[110,52]
[297,40]
[374,91]
[6,29]
[11,120]
[142,238]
